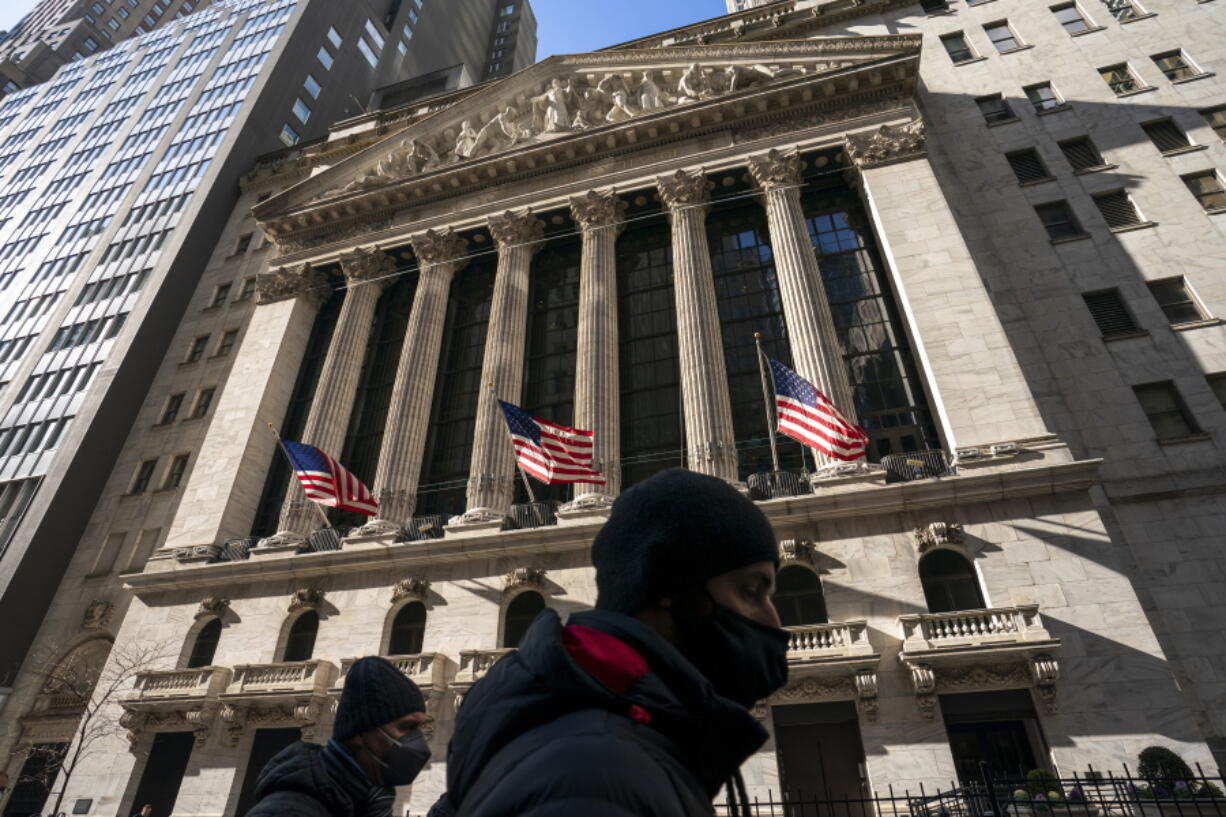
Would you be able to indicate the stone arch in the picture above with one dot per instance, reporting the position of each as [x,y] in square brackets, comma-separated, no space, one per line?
[799,595]
[404,628]
[69,682]
[293,640]
[951,581]
[200,646]
[519,609]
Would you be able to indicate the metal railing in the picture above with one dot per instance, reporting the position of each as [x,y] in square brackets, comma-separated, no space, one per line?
[421,528]
[776,484]
[533,515]
[237,550]
[916,465]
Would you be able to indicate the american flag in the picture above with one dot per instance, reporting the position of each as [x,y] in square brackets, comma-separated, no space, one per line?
[327,482]
[807,415]
[550,452]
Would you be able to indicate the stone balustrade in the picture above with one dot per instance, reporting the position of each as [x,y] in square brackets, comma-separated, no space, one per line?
[176,685]
[845,639]
[965,629]
[475,663]
[428,670]
[292,677]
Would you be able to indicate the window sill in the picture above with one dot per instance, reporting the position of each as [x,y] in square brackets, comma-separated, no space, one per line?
[1061,108]
[1215,211]
[1015,50]
[1186,80]
[1191,438]
[1070,239]
[1036,182]
[163,425]
[187,363]
[1138,18]
[212,307]
[970,61]
[1089,31]
[161,491]
[1144,225]
[1096,169]
[1140,333]
[1137,92]
[186,420]
[1183,150]
[217,357]
[996,122]
[1184,327]
[945,12]
[132,495]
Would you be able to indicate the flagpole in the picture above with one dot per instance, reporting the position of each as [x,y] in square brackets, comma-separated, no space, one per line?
[766,401]
[290,460]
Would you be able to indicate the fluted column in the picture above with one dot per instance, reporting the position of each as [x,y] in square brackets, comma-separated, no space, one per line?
[439,257]
[816,349]
[367,273]
[597,405]
[491,477]
[710,439]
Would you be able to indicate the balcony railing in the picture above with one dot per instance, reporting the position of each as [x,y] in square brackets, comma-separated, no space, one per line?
[916,465]
[174,685]
[835,640]
[294,677]
[475,663]
[425,669]
[973,628]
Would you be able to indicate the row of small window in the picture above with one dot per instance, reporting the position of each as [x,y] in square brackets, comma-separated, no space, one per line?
[1121,213]
[221,293]
[172,479]
[1167,411]
[1070,15]
[200,345]
[135,246]
[1173,295]
[406,33]
[200,407]
[302,108]
[34,437]
[91,331]
[58,383]
[113,287]
[31,307]
[15,347]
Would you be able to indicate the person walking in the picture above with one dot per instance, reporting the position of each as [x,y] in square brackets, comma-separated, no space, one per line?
[639,708]
[376,745]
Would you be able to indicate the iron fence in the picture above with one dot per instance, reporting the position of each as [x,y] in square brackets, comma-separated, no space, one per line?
[916,465]
[533,515]
[421,528]
[776,484]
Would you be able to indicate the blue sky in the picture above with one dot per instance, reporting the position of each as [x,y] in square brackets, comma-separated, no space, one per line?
[566,26]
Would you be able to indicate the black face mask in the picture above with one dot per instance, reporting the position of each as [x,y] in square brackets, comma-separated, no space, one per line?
[404,761]
[745,661]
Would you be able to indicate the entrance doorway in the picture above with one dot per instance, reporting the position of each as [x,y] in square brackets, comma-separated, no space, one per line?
[33,784]
[159,783]
[999,729]
[821,754]
[266,745]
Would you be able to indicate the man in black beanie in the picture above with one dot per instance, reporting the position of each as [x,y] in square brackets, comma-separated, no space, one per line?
[639,707]
[376,745]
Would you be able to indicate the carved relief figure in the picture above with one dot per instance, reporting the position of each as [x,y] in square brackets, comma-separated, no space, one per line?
[694,85]
[590,105]
[621,110]
[466,141]
[649,94]
[557,114]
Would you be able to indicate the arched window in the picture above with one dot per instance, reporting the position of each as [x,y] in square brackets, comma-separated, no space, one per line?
[949,582]
[300,643]
[408,630]
[798,597]
[206,645]
[520,614]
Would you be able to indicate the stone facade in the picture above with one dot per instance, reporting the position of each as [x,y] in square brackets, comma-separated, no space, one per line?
[1092,544]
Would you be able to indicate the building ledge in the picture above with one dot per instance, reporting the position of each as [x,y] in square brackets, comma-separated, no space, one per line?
[1138,18]
[1186,80]
[1037,182]
[1061,108]
[1095,169]
[1144,225]
[1143,90]
[1190,325]
[1079,237]
[952,638]
[1089,31]
[1015,50]
[971,61]
[998,122]
[1191,438]
[1140,333]
[1185,149]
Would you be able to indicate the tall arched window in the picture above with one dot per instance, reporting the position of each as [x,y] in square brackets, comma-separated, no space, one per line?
[950,582]
[300,644]
[408,630]
[520,613]
[798,597]
[206,645]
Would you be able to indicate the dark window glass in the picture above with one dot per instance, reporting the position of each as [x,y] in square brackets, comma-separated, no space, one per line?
[174,477]
[206,645]
[521,612]
[994,108]
[1207,187]
[1174,65]
[798,597]
[1165,135]
[1071,18]
[1042,97]
[1176,301]
[1120,78]
[957,47]
[1002,36]
[649,379]
[408,630]
[300,644]
[1109,313]
[449,445]
[1217,382]
[1059,220]
[173,405]
[1118,209]
[934,6]
[1081,153]
[949,582]
[197,348]
[890,402]
[1166,410]
[144,475]
[1027,166]
[1216,117]
[33,783]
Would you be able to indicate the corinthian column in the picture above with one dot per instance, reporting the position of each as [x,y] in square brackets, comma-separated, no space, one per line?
[597,406]
[491,477]
[367,273]
[710,440]
[439,257]
[816,350]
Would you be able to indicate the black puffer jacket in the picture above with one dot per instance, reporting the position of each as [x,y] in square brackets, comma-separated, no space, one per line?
[298,782]
[602,718]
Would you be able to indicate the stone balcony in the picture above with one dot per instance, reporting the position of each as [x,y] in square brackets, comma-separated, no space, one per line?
[292,693]
[474,664]
[833,661]
[168,689]
[967,650]
[431,671]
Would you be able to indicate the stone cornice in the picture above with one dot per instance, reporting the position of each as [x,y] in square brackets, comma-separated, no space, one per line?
[854,500]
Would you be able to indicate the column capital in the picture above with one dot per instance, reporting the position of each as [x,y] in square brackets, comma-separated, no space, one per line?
[685,188]
[596,209]
[436,248]
[364,264]
[776,169]
[512,229]
[887,145]
[288,283]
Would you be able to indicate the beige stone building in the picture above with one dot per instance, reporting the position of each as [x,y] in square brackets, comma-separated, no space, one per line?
[974,225]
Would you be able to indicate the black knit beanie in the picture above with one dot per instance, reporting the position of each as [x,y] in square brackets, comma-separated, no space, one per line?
[673,532]
[375,693]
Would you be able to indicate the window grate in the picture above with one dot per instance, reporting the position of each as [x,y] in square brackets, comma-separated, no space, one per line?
[1081,153]
[1109,313]
[1165,135]
[1118,209]
[1027,166]
[1176,301]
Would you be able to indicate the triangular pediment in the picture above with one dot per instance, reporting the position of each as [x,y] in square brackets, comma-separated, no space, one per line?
[573,97]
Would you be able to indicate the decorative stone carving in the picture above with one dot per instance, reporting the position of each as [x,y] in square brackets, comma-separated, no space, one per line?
[984,676]
[517,229]
[1045,672]
[283,541]
[589,502]
[438,247]
[761,710]
[363,265]
[937,534]
[817,688]
[212,608]
[197,554]
[410,589]
[288,283]
[684,189]
[925,682]
[866,693]
[776,169]
[97,615]
[596,209]
[134,723]
[887,145]
[532,577]
[234,719]
[799,551]
[306,599]
[319,238]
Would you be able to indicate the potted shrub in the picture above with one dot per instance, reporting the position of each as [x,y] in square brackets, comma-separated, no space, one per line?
[1169,784]
[1043,797]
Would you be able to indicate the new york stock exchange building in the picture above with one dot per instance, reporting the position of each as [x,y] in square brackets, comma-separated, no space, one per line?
[598,239]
